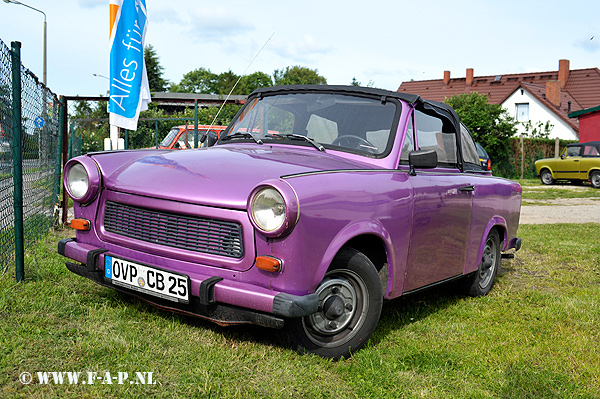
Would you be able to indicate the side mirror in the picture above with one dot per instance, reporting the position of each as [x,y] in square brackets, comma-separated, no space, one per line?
[211,139]
[562,156]
[422,159]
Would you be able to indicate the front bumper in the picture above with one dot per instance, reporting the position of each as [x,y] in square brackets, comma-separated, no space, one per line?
[222,301]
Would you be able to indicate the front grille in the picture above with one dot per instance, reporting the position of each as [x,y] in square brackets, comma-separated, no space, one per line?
[211,236]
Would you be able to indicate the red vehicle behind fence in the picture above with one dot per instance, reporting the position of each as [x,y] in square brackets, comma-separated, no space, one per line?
[182,137]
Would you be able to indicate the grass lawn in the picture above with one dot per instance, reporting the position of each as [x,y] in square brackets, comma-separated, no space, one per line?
[536,335]
[533,189]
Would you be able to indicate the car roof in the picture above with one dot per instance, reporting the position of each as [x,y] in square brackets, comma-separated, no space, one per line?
[369,91]
[592,143]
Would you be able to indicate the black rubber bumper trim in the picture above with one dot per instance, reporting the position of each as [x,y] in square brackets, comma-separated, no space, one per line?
[219,313]
[92,259]
[287,305]
[207,290]
[62,244]
[517,244]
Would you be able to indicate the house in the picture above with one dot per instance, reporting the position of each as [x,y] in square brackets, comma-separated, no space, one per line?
[531,98]
[589,124]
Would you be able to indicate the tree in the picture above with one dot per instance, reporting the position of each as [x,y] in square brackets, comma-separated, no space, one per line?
[357,83]
[255,80]
[90,121]
[200,80]
[154,70]
[490,124]
[540,131]
[298,75]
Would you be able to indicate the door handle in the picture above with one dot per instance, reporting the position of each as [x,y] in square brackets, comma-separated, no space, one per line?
[468,188]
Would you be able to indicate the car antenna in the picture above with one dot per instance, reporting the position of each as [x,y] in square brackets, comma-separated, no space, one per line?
[235,85]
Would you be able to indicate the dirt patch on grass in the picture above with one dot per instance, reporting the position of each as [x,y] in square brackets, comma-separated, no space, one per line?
[561,210]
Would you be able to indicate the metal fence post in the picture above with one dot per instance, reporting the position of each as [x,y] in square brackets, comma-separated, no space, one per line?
[17,161]
[70,150]
[156,133]
[57,171]
[196,123]
[65,157]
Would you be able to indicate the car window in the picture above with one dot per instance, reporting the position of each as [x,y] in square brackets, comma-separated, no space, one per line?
[469,151]
[436,132]
[167,140]
[408,144]
[590,151]
[573,151]
[341,122]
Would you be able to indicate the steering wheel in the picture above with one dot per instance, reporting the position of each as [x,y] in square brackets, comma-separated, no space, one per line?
[355,142]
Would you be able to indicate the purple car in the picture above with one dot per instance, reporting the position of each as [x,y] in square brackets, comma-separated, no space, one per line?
[316,205]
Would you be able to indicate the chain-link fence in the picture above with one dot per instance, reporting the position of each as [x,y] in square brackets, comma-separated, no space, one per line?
[29,157]
[88,120]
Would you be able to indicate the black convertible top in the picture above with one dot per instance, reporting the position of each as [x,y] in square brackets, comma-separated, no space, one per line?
[592,143]
[413,99]
[370,91]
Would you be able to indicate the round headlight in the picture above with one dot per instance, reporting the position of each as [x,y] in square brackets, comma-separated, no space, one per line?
[268,209]
[78,181]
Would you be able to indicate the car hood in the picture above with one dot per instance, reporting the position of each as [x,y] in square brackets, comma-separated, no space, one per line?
[220,176]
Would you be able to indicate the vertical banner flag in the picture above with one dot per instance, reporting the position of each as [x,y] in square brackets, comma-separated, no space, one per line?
[129,89]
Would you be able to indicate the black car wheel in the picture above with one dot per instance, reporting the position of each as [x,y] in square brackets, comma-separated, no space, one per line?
[546,177]
[350,300]
[595,179]
[481,282]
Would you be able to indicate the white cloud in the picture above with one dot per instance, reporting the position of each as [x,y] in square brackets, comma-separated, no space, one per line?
[92,3]
[590,45]
[305,49]
[216,24]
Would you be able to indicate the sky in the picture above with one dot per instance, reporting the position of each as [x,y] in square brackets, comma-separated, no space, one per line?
[380,43]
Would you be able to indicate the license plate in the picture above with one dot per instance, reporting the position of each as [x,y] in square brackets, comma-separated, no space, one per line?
[146,279]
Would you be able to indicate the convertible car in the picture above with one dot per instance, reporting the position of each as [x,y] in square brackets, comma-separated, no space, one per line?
[316,205]
[578,162]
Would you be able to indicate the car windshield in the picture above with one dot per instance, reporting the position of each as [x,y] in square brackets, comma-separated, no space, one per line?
[323,120]
[169,139]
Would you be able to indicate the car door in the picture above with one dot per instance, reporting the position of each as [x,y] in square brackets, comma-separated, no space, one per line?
[590,159]
[569,165]
[441,208]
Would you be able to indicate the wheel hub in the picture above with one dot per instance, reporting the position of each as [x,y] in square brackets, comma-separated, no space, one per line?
[333,307]
[338,303]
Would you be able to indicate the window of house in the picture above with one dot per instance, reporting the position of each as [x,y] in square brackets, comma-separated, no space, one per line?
[522,112]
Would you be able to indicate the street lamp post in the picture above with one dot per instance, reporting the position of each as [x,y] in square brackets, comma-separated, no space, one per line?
[44,76]
[44,14]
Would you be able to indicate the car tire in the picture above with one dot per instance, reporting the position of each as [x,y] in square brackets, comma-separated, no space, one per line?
[546,177]
[480,283]
[595,179]
[350,301]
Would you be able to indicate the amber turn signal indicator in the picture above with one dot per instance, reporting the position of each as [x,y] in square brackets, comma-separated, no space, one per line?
[268,263]
[80,224]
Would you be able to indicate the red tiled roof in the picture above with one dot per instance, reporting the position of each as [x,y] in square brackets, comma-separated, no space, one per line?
[582,89]
[539,92]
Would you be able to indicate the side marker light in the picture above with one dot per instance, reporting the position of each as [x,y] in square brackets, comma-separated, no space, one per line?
[80,224]
[268,263]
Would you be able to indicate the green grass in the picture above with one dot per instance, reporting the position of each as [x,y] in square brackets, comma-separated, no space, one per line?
[536,335]
[534,190]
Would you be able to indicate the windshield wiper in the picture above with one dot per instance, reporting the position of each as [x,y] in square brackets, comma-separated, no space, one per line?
[242,135]
[305,138]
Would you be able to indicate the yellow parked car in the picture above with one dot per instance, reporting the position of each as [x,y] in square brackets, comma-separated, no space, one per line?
[579,162]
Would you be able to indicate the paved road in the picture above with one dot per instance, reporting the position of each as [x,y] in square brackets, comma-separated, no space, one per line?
[566,210]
